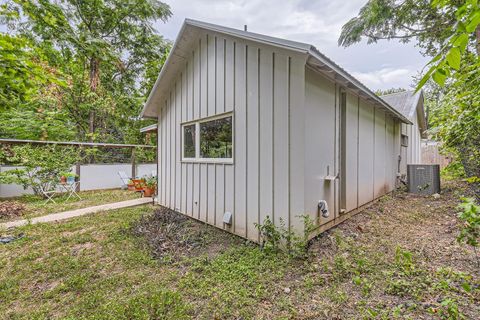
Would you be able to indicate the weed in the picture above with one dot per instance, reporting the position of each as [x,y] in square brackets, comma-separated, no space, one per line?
[448,310]
[470,233]
[275,238]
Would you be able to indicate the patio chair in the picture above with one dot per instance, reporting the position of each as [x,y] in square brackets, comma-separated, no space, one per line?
[48,191]
[124,178]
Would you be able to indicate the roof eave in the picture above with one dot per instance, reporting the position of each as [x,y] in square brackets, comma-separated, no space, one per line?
[143,113]
[356,84]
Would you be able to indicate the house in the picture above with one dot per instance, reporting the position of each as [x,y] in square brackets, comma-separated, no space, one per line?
[251,126]
[410,104]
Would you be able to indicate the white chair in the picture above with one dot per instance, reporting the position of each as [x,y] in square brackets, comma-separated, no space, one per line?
[124,178]
[48,190]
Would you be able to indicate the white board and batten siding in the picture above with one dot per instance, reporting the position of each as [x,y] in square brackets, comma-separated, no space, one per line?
[263,88]
[371,150]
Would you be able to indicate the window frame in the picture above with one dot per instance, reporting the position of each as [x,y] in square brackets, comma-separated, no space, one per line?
[404,140]
[197,123]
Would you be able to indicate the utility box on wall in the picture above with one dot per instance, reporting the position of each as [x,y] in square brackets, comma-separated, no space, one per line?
[423,178]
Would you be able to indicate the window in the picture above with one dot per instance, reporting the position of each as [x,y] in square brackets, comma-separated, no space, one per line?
[214,141]
[189,141]
[404,140]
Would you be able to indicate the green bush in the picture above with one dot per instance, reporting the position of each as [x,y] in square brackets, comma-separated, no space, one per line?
[275,238]
[40,166]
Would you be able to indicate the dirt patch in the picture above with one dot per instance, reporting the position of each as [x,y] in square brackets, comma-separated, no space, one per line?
[425,225]
[172,234]
[400,256]
[76,249]
[11,209]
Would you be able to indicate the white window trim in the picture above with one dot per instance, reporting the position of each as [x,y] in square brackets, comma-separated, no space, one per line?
[197,123]
[404,137]
[183,141]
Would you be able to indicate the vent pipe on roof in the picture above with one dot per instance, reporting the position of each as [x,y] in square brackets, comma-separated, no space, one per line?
[245,27]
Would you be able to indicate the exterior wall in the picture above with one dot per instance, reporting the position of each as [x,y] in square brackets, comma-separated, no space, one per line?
[264,88]
[413,153]
[371,149]
[320,143]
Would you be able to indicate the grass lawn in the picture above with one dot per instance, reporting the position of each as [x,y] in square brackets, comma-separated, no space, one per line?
[35,206]
[397,260]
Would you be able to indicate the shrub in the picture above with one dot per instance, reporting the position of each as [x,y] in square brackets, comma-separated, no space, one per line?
[470,215]
[40,166]
[277,238]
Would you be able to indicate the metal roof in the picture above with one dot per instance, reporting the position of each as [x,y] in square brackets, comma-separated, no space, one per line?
[315,59]
[407,102]
[150,128]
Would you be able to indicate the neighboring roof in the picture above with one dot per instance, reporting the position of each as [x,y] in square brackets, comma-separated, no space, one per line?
[315,59]
[150,128]
[407,102]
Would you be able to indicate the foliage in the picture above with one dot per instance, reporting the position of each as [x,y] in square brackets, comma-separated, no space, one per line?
[283,238]
[470,215]
[270,234]
[403,20]
[151,182]
[457,120]
[449,32]
[40,167]
[109,53]
[448,58]
[22,72]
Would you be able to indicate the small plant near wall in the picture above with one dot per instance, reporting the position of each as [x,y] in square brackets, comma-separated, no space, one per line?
[150,185]
[470,232]
[281,238]
[131,185]
[68,177]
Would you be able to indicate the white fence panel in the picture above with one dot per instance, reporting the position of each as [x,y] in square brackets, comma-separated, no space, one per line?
[92,177]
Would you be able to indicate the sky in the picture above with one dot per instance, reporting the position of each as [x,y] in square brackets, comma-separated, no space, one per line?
[383,65]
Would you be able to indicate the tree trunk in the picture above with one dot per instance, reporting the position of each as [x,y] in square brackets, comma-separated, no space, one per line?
[477,37]
[94,81]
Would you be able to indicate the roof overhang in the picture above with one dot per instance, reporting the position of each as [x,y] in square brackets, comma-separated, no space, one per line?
[190,31]
[150,128]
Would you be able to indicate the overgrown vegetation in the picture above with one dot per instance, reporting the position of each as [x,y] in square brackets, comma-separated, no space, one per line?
[470,232]
[276,238]
[399,259]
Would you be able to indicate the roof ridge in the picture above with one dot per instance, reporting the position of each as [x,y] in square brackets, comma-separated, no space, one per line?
[390,94]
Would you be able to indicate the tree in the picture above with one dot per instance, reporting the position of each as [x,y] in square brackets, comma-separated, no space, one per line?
[449,32]
[443,29]
[404,20]
[104,46]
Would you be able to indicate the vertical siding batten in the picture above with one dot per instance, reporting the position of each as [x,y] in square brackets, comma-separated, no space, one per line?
[240,138]
[252,141]
[297,142]
[266,134]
